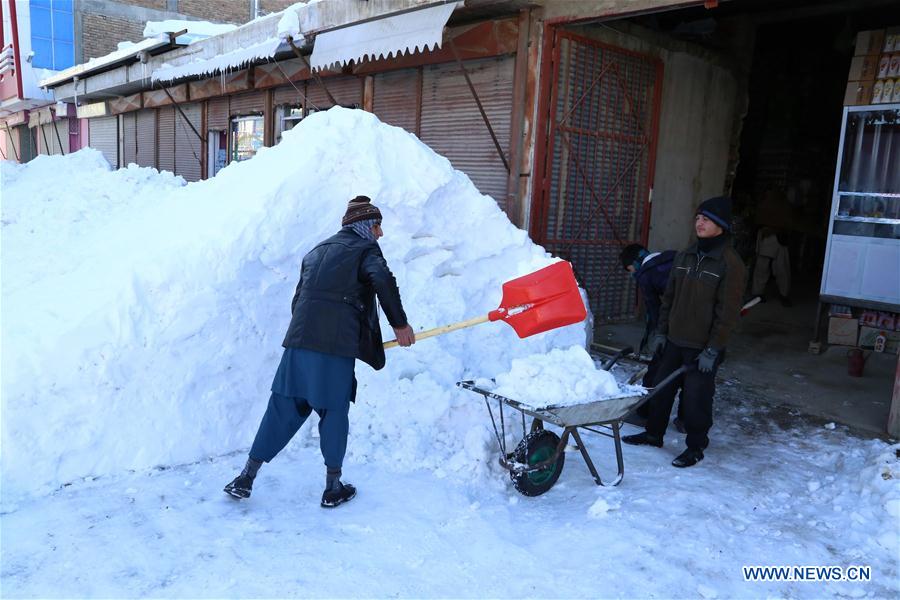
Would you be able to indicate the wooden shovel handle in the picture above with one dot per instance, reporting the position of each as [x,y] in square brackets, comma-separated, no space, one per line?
[421,335]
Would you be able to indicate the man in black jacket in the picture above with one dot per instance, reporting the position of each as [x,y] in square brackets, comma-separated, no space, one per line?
[699,310]
[333,322]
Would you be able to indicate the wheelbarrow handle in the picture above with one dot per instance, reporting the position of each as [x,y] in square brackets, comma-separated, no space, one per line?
[626,351]
[421,335]
[673,376]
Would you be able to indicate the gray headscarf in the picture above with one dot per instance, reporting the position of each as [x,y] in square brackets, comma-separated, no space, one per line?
[364,229]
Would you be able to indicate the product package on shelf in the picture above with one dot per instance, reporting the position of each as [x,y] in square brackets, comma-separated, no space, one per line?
[874,76]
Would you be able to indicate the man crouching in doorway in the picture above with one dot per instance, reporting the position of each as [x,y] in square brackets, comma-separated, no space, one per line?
[700,308]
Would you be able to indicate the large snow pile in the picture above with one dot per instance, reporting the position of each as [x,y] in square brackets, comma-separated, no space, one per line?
[560,377]
[142,318]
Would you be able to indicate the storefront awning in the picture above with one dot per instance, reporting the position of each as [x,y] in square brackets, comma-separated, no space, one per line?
[406,32]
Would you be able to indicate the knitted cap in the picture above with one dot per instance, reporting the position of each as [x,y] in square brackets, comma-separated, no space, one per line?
[717,210]
[360,209]
[631,254]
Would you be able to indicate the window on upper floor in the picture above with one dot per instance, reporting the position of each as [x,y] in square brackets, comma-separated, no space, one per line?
[52,34]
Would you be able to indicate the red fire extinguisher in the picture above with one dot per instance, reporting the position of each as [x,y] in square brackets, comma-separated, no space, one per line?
[855,362]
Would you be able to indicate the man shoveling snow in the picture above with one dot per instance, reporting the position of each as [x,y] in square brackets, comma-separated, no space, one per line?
[333,323]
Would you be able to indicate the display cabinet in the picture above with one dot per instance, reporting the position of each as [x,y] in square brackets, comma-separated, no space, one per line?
[862,259]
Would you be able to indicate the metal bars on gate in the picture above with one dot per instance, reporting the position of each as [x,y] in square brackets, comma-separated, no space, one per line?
[596,157]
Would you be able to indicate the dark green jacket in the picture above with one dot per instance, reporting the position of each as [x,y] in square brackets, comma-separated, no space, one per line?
[702,302]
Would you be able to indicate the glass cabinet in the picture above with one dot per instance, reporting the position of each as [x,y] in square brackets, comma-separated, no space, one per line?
[862,260]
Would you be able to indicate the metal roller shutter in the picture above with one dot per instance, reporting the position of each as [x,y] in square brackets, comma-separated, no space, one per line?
[452,124]
[145,134]
[188,147]
[247,104]
[217,114]
[62,128]
[56,133]
[166,143]
[289,95]
[103,134]
[346,90]
[49,143]
[129,138]
[394,100]
[10,145]
[28,147]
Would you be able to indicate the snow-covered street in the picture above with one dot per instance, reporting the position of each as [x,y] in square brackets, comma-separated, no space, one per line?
[807,495]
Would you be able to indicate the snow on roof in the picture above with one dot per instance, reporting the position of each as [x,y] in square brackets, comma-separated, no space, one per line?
[107,60]
[195,28]
[288,28]
[224,62]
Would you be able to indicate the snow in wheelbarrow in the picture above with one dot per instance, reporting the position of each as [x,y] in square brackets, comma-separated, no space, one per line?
[566,389]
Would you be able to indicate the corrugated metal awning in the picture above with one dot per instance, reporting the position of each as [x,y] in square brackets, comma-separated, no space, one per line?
[152,45]
[406,32]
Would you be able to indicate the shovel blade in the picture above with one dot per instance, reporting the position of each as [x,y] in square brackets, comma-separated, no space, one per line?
[541,301]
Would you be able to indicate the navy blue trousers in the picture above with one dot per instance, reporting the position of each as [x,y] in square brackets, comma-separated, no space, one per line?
[286,414]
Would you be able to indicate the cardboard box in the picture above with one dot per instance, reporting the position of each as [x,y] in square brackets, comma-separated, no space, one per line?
[863,68]
[858,92]
[867,337]
[843,332]
[869,42]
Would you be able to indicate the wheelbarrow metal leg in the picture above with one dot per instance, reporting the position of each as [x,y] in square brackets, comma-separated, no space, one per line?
[501,439]
[590,464]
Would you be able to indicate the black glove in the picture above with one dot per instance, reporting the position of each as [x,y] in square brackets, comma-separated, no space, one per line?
[657,343]
[707,360]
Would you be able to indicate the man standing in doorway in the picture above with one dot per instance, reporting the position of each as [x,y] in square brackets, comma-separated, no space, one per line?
[333,322]
[700,308]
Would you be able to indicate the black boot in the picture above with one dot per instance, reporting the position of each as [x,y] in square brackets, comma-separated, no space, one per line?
[643,439]
[241,486]
[335,496]
[688,458]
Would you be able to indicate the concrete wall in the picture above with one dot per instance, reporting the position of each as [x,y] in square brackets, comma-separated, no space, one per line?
[696,124]
[697,121]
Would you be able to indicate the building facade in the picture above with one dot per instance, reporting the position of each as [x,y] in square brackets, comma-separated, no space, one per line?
[41,37]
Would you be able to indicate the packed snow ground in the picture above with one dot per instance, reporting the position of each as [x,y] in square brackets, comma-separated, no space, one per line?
[765,495]
[142,322]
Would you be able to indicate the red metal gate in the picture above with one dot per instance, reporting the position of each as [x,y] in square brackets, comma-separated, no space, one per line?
[595,159]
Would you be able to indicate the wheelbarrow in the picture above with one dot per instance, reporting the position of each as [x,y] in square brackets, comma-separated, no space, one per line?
[537,461]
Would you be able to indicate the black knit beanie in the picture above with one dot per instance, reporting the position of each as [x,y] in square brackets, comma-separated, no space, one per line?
[717,210]
[631,254]
[360,209]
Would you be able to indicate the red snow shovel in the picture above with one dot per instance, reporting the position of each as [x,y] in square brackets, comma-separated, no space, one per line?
[537,302]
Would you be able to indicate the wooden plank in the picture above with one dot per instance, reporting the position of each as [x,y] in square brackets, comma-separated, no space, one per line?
[237,82]
[157,98]
[125,104]
[206,88]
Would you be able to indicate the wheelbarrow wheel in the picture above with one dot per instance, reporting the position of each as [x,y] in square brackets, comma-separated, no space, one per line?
[535,448]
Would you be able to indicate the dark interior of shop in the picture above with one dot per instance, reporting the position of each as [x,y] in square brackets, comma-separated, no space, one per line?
[785,163]
[795,58]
